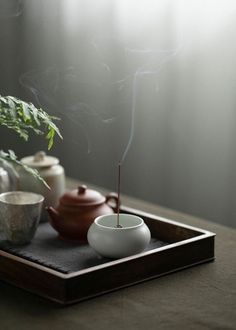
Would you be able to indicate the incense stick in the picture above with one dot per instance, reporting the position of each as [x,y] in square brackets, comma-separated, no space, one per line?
[118,190]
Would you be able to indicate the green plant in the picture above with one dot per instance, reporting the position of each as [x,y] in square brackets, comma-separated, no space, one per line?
[23,117]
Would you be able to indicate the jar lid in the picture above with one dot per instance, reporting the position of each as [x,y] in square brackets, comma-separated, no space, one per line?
[82,196]
[40,159]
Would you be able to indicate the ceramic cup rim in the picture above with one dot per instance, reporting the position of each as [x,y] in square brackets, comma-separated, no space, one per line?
[18,192]
[96,221]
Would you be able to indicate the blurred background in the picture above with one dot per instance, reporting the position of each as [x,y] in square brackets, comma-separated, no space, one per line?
[151,83]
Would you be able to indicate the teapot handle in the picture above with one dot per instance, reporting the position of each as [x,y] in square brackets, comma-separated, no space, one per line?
[113,197]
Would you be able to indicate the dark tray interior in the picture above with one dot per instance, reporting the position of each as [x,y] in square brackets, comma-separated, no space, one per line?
[69,272]
[47,249]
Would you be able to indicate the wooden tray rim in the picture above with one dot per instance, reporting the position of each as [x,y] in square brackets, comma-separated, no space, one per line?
[204,234]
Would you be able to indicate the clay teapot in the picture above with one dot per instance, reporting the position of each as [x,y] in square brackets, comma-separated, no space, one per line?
[77,210]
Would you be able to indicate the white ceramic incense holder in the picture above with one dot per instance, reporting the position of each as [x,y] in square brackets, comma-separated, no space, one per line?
[117,242]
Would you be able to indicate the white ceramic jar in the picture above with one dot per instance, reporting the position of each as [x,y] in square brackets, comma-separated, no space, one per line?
[4,185]
[117,242]
[50,170]
[4,181]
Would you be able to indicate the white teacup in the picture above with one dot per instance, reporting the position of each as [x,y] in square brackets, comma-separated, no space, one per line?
[19,214]
[117,242]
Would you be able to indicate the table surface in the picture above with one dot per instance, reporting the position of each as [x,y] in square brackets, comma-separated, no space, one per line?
[201,297]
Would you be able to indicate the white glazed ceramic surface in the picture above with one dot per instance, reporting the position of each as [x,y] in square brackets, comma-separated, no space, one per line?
[54,176]
[112,242]
[20,213]
[4,185]
[50,170]
[4,180]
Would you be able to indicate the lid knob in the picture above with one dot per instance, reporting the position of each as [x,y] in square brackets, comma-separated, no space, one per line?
[39,156]
[82,189]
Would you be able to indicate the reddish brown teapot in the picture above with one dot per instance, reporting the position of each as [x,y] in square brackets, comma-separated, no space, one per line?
[77,210]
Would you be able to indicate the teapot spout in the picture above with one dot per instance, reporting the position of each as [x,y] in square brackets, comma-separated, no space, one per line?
[54,215]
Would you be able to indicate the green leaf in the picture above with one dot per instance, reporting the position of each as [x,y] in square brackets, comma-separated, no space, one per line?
[26,112]
[22,117]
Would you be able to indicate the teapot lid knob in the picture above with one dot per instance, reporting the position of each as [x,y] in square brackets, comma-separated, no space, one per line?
[82,189]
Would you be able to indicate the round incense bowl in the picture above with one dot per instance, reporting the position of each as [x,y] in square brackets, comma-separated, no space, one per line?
[118,242]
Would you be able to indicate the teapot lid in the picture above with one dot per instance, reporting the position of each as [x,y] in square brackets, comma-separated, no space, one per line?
[40,159]
[82,196]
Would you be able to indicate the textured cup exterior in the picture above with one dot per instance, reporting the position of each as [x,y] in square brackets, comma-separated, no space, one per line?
[20,222]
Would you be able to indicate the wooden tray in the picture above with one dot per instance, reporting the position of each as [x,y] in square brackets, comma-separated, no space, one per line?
[185,246]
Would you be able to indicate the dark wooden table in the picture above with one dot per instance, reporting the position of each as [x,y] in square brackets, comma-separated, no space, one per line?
[202,297]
